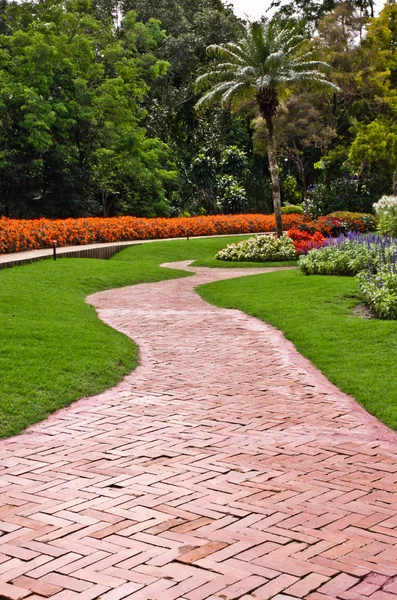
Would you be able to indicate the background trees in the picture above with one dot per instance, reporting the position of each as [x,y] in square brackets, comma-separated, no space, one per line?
[97,110]
[73,138]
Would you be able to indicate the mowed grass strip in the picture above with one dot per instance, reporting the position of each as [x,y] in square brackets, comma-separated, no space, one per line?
[315,313]
[53,347]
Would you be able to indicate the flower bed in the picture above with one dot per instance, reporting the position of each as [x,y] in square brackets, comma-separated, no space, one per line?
[260,248]
[372,259]
[17,235]
[305,241]
[348,255]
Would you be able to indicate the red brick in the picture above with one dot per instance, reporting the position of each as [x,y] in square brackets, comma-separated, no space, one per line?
[40,587]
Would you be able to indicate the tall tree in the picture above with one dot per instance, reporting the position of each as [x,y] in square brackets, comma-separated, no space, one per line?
[376,141]
[72,92]
[265,63]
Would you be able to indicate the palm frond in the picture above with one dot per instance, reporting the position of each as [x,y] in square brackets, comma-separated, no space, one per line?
[238,49]
[313,64]
[293,43]
[213,78]
[301,57]
[259,43]
[242,95]
[264,82]
[234,91]
[246,72]
[225,53]
[214,95]
[314,78]
[273,60]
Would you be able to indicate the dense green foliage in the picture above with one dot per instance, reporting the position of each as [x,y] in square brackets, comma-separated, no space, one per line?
[315,313]
[97,109]
[72,139]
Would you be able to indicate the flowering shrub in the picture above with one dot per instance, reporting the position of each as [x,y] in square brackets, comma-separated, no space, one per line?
[386,212]
[352,221]
[260,248]
[372,259]
[17,235]
[304,241]
[332,225]
[380,291]
[347,255]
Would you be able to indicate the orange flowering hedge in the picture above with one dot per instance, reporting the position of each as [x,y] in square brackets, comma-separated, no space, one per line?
[17,235]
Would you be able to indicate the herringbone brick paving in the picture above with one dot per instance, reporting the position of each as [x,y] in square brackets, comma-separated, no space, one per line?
[225,467]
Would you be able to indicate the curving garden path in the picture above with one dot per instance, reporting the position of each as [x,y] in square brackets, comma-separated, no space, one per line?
[225,467]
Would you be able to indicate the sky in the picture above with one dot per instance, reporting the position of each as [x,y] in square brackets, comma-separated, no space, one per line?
[254,9]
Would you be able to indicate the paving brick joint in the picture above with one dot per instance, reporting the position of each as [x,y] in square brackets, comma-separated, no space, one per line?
[224,468]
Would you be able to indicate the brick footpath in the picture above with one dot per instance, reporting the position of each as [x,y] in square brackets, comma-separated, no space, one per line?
[224,468]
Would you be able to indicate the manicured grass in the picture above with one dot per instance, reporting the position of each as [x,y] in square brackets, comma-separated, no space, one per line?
[315,313]
[53,348]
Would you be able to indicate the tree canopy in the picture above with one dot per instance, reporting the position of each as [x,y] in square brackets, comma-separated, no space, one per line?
[97,106]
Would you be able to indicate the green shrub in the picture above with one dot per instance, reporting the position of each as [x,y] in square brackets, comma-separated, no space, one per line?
[379,291]
[231,196]
[346,194]
[292,209]
[290,192]
[343,259]
[260,248]
[346,214]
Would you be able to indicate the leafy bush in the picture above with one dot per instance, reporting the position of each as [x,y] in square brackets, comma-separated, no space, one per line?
[260,248]
[234,162]
[349,259]
[292,209]
[231,196]
[345,194]
[290,191]
[386,212]
[379,291]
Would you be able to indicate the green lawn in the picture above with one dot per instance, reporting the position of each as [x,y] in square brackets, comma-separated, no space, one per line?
[315,313]
[53,348]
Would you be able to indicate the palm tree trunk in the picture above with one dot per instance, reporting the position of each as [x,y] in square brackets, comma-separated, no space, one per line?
[271,153]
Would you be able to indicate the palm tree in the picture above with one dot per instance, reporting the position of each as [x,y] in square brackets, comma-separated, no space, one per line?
[260,67]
